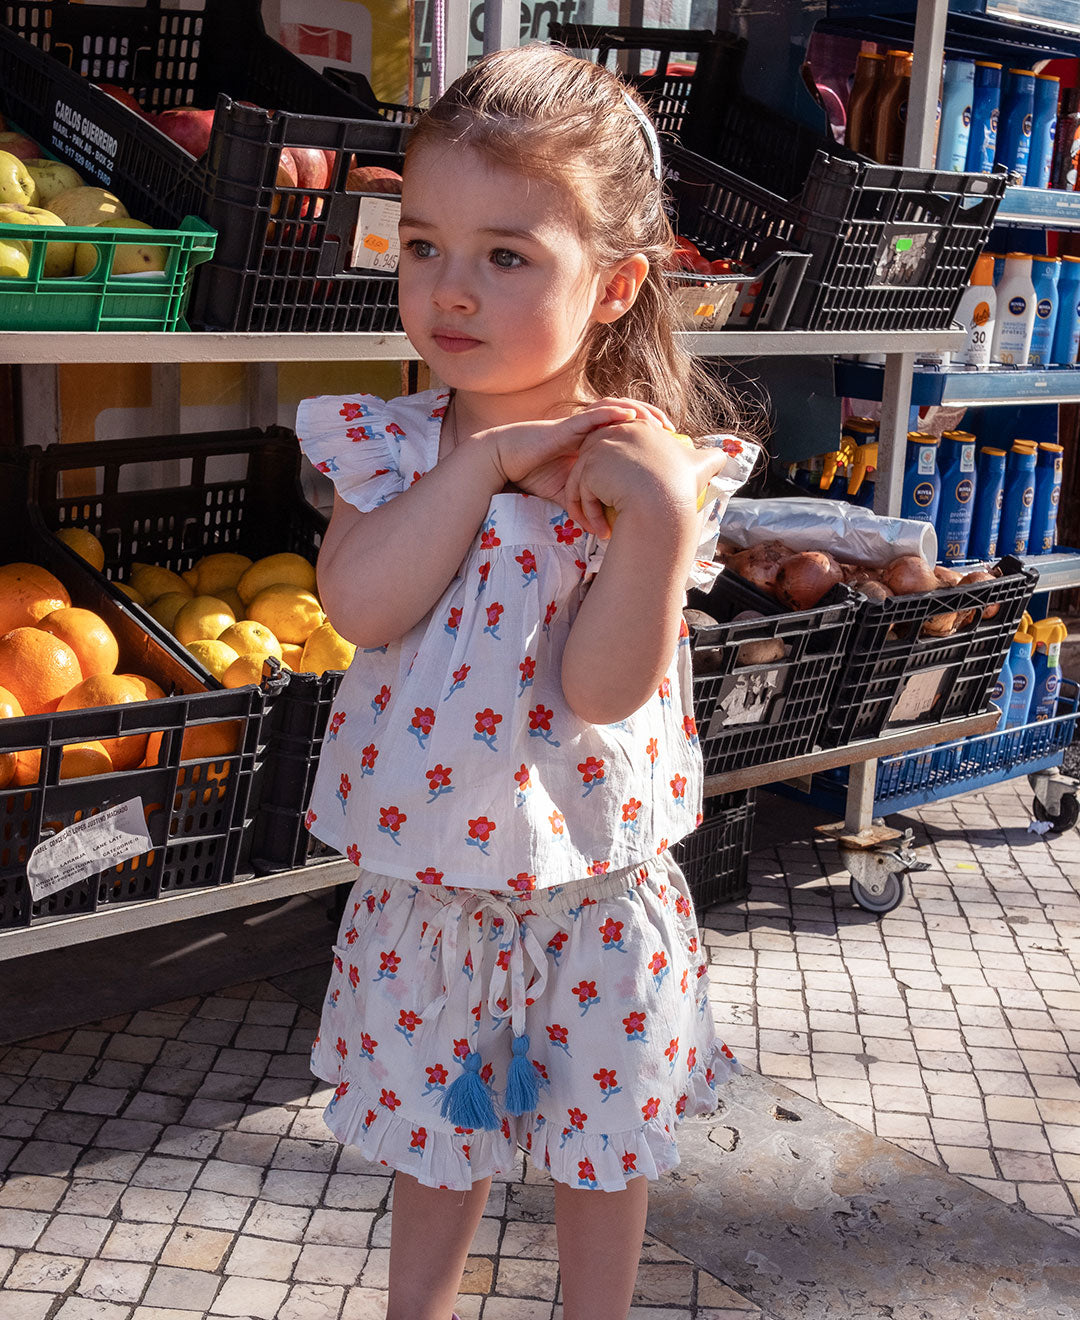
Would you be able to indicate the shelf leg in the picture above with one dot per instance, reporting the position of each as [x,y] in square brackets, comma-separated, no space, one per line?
[859,808]
[929,48]
[892,434]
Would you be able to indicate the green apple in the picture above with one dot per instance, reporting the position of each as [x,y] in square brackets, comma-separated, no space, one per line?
[14,258]
[52,177]
[128,258]
[16,183]
[59,257]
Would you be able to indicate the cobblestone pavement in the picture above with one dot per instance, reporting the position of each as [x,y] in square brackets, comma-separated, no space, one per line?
[172,1163]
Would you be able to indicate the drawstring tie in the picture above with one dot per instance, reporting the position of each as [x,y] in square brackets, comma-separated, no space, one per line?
[468,1101]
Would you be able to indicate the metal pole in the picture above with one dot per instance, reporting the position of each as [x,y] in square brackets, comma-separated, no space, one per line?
[926,68]
[502,25]
[456,37]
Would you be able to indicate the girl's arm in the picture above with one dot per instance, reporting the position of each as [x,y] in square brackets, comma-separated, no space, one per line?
[626,630]
[380,572]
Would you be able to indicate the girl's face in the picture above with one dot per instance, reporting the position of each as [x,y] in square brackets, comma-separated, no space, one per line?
[496,288]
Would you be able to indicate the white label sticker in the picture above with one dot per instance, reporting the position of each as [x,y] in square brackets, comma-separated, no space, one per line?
[87,847]
[967,458]
[376,246]
[927,457]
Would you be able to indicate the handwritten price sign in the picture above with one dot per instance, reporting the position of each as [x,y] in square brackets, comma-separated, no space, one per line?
[375,245]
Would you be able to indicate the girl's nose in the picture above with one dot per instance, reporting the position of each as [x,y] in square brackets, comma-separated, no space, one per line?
[452,291]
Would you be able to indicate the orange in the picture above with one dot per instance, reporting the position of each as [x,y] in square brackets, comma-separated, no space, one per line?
[37,668]
[110,690]
[24,602]
[85,544]
[150,689]
[88,635]
[35,573]
[9,709]
[86,758]
[203,740]
[27,768]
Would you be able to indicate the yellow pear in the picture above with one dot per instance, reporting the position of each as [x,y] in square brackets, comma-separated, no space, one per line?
[87,205]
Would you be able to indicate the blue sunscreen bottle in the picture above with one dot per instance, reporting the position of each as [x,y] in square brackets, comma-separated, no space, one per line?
[1049,634]
[1043,127]
[956,463]
[1019,498]
[982,141]
[989,496]
[1001,693]
[954,131]
[1023,684]
[922,485]
[1044,280]
[1044,511]
[1014,124]
[1067,324]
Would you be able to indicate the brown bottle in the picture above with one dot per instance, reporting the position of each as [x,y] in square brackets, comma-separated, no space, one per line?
[890,118]
[860,107]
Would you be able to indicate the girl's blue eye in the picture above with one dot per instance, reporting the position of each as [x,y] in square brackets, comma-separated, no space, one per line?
[507,260]
[420,247]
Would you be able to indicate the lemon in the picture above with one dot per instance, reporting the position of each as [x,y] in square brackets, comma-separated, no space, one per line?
[290,613]
[153,581]
[287,568]
[326,649]
[291,654]
[202,619]
[167,607]
[130,592]
[214,656]
[246,637]
[231,598]
[219,572]
[85,544]
[191,577]
[244,669]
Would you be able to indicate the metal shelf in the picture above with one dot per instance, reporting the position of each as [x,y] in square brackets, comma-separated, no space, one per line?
[965,385]
[158,346]
[1051,208]
[1057,572]
[118,919]
[1022,38]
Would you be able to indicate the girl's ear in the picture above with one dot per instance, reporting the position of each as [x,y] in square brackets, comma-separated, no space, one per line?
[619,288]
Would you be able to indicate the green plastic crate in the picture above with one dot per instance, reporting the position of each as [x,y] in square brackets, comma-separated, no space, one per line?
[101,300]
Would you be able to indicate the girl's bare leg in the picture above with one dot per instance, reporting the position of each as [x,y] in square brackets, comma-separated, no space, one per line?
[430,1233]
[600,1235]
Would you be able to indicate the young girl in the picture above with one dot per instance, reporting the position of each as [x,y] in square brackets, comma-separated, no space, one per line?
[513,750]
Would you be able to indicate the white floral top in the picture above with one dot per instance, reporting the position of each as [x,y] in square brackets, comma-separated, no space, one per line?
[451,756]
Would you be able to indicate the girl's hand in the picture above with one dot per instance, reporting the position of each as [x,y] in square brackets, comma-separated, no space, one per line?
[637,464]
[547,448]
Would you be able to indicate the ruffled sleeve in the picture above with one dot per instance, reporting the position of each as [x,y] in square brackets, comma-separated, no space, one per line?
[355,442]
[741,457]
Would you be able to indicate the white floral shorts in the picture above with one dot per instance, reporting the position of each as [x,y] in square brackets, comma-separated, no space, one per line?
[594,994]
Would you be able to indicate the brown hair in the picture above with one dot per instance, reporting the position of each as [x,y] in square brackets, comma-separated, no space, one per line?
[544,111]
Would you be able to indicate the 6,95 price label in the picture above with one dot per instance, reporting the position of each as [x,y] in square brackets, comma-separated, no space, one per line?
[376,246]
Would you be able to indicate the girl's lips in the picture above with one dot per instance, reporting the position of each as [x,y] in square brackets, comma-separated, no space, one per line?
[450,343]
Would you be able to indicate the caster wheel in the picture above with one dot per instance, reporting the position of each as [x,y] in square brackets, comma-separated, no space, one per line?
[1066,817]
[890,897]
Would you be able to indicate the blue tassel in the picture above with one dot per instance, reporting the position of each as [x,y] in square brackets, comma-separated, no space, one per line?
[467,1102]
[522,1091]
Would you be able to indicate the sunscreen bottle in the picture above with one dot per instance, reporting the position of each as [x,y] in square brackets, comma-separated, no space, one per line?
[1015,320]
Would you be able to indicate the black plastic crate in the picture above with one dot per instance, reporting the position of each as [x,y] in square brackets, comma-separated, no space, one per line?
[715,858]
[196,801]
[235,490]
[284,255]
[894,676]
[748,710]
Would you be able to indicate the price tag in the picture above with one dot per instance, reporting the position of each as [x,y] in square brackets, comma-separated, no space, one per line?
[375,245]
[87,847]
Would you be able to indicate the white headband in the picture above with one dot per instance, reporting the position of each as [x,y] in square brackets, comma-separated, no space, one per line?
[647,128]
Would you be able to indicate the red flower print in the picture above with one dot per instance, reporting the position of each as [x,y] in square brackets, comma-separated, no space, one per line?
[389,962]
[521,777]
[557,941]
[591,768]
[353,853]
[344,787]
[634,1023]
[691,1057]
[682,905]
[528,669]
[382,698]
[430,876]
[358,433]
[368,1043]
[336,723]
[419,1139]
[368,755]
[489,539]
[486,721]
[390,818]
[540,718]
[409,1020]
[605,1077]
[550,612]
[483,572]
[661,847]
[657,962]
[462,673]
[454,619]
[527,560]
[611,931]
[438,413]
[481,829]
[665,689]
[461,1049]
[629,1162]
[653,750]
[682,982]
[678,786]
[672,1051]
[523,882]
[309,819]
[689,725]
[557,820]
[586,1172]
[341,1090]
[438,776]
[567,532]
[389,1099]
[558,1035]
[494,614]
[351,411]
[650,1108]
[436,1075]
[585,991]
[370,1118]
[423,719]
[731,446]
[726,1052]
[342,1048]
[354,976]
[630,809]
[576,1118]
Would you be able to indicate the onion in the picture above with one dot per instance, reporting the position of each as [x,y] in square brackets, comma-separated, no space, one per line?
[947,577]
[979,575]
[873,590]
[725,549]
[940,625]
[699,619]
[909,575]
[803,579]
[765,651]
[759,564]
